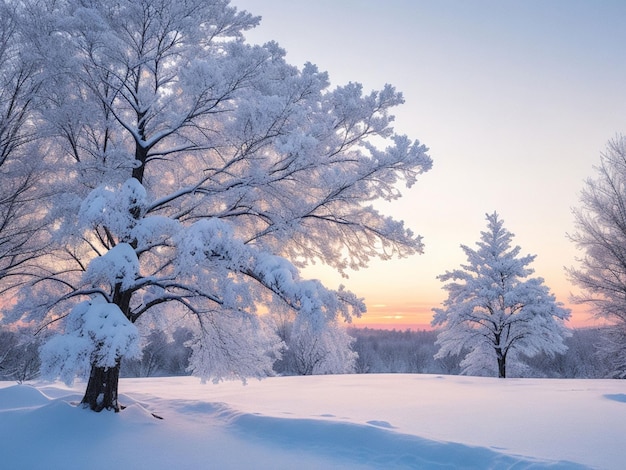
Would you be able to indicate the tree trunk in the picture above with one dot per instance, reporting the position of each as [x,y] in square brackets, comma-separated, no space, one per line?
[501,356]
[101,392]
[502,367]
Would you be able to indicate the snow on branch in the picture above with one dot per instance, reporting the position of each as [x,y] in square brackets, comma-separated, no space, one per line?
[119,265]
[116,210]
[96,332]
[211,245]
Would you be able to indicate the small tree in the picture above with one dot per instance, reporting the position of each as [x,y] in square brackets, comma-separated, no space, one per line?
[310,351]
[601,234]
[154,357]
[494,311]
[179,352]
[19,356]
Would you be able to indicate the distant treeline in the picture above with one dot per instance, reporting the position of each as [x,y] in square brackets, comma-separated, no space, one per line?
[393,351]
[379,351]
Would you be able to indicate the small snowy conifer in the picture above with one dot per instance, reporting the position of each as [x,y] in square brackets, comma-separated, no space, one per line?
[494,311]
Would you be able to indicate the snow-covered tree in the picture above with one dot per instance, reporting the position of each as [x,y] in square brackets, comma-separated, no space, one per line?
[153,356]
[19,355]
[600,224]
[196,175]
[309,351]
[19,162]
[494,310]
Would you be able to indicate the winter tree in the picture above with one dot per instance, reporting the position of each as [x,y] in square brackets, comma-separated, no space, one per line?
[196,175]
[19,357]
[307,352]
[600,224]
[494,310]
[154,358]
[19,162]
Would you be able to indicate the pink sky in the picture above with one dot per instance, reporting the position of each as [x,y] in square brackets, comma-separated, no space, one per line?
[515,100]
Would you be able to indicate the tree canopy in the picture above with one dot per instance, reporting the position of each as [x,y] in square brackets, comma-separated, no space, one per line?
[194,174]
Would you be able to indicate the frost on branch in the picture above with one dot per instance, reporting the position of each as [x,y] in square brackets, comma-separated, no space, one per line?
[315,304]
[96,333]
[210,241]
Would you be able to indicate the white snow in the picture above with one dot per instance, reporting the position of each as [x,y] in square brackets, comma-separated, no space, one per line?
[318,422]
[96,331]
[119,264]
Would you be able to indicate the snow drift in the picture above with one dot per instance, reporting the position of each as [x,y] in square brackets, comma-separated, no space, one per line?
[351,421]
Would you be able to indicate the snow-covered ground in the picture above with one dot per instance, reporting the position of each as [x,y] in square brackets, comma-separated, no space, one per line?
[320,422]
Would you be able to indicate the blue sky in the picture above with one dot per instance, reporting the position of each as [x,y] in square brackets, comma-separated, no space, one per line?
[515,100]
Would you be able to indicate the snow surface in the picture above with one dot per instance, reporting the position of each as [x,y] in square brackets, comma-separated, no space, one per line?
[320,422]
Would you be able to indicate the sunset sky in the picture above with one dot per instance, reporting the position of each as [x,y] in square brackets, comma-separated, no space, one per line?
[516,101]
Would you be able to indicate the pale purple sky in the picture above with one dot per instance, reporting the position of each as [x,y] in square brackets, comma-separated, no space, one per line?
[515,99]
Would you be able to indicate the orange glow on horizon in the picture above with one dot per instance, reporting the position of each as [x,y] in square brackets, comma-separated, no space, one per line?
[403,315]
[399,316]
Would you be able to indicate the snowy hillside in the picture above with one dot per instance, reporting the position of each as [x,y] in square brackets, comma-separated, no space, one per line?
[351,421]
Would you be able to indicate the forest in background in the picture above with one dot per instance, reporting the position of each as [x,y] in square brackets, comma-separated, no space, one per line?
[379,351]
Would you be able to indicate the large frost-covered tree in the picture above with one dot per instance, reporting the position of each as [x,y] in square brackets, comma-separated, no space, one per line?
[195,175]
[494,311]
[600,224]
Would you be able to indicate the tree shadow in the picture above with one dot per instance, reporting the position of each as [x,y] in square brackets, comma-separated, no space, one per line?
[621,397]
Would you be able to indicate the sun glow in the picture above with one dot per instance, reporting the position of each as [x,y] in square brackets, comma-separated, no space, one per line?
[400,316]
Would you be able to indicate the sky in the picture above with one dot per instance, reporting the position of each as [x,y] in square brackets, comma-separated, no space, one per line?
[516,100]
